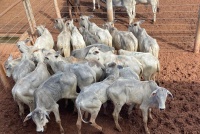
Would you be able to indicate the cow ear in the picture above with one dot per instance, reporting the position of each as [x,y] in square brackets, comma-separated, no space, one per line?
[168,92]
[114,21]
[27,40]
[119,66]
[47,115]
[91,16]
[55,20]
[153,93]
[10,57]
[112,64]
[141,21]
[28,117]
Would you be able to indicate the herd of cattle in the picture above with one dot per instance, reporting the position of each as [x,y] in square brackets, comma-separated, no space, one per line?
[129,5]
[91,66]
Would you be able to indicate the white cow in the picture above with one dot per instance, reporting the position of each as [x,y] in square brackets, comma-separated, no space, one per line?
[77,41]
[151,65]
[121,39]
[103,34]
[130,5]
[63,39]
[45,39]
[123,60]
[147,94]
[145,42]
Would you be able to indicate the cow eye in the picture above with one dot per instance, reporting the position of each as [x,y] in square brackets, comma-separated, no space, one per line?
[135,25]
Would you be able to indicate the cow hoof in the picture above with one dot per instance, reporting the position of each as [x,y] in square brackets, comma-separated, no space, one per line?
[45,128]
[102,131]
[119,129]
[25,124]
[62,132]
[120,118]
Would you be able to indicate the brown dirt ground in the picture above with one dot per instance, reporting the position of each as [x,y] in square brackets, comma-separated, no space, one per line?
[179,73]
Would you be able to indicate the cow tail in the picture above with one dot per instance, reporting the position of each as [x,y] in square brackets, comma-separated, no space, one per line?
[79,110]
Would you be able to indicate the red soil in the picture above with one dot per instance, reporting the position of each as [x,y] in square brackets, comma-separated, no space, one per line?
[179,73]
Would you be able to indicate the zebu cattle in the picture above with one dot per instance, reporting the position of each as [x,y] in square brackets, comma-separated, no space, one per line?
[103,34]
[147,94]
[145,42]
[107,57]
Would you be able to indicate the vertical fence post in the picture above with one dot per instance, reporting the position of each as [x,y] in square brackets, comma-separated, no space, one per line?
[197,38]
[30,17]
[3,78]
[57,9]
[109,10]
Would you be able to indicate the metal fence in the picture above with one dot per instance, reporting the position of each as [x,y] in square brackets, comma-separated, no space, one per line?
[174,30]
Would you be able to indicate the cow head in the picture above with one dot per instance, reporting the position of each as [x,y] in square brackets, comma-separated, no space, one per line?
[84,21]
[70,24]
[38,55]
[23,48]
[8,65]
[112,69]
[59,23]
[52,56]
[160,95]
[40,29]
[95,54]
[135,27]
[39,117]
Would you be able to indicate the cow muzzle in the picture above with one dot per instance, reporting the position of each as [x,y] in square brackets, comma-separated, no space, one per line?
[162,109]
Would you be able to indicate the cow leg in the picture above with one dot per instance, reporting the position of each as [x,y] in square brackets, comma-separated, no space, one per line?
[93,118]
[31,107]
[104,108]
[98,4]
[21,112]
[145,118]
[79,7]
[57,116]
[21,108]
[78,123]
[86,115]
[115,114]
[131,14]
[75,109]
[93,5]
[150,115]
[70,12]
[130,109]
[154,9]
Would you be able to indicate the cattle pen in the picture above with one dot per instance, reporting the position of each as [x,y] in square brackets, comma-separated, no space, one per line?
[176,31]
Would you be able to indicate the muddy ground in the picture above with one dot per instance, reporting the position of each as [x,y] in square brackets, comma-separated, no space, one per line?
[179,73]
